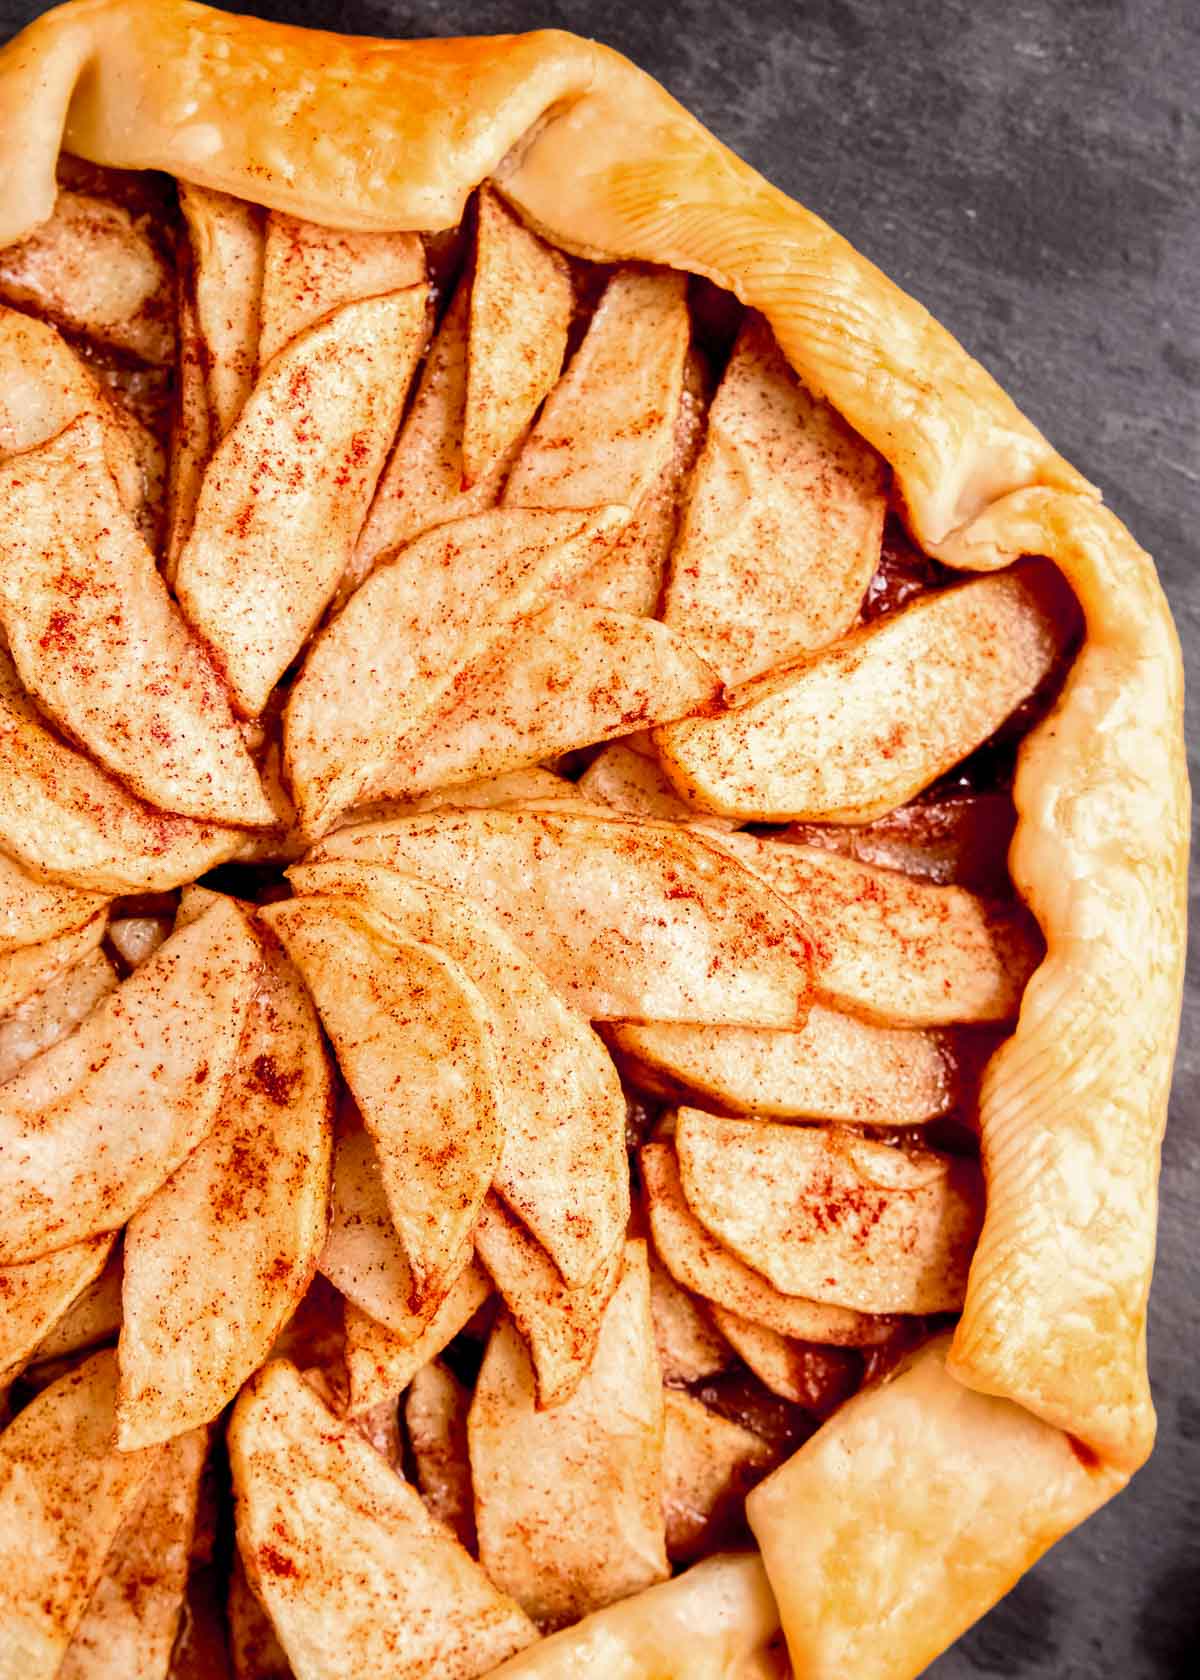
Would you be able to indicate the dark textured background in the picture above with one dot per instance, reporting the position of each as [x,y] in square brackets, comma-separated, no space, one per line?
[1029,170]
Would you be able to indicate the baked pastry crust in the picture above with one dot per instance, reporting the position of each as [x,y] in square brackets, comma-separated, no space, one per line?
[370,134]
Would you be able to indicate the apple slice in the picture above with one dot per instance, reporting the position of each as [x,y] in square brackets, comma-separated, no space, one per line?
[27,972]
[96,638]
[961,840]
[697,1261]
[425,482]
[44,386]
[633,783]
[67,822]
[357,1577]
[629,576]
[689,1346]
[913,1510]
[521,301]
[563,1167]
[254,1647]
[36,1295]
[899,951]
[715,1621]
[561,1326]
[191,430]
[825,1213]
[363,1256]
[309,271]
[607,429]
[710,1464]
[218,1258]
[568,1502]
[268,546]
[697,938]
[32,911]
[435,1419]
[48,1016]
[93,1317]
[859,729]
[381,1364]
[510,787]
[834,1068]
[158,1052]
[564,678]
[817,1378]
[134,1613]
[64,1493]
[136,938]
[227,257]
[373,682]
[413,1037]
[783,524]
[96,269]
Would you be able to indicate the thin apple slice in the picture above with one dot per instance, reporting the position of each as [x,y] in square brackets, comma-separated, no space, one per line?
[714,1621]
[268,545]
[521,301]
[357,1577]
[961,840]
[96,269]
[413,1037]
[817,1378]
[425,483]
[218,1258]
[435,1418]
[710,1464]
[93,1317]
[825,1213]
[134,1613]
[834,1068]
[607,429]
[913,1510]
[561,1326]
[64,1493]
[903,952]
[309,271]
[227,255]
[49,1015]
[32,911]
[254,1648]
[629,576]
[158,1052]
[191,431]
[783,524]
[36,1295]
[381,1364]
[564,678]
[859,729]
[372,683]
[67,822]
[96,638]
[27,972]
[136,938]
[509,787]
[363,1256]
[633,783]
[697,937]
[689,1345]
[44,386]
[568,1502]
[697,1261]
[563,1168]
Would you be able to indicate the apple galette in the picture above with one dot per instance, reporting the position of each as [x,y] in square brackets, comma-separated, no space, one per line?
[591,854]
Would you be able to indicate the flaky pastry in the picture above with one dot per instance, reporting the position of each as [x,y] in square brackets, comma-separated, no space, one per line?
[1046,1369]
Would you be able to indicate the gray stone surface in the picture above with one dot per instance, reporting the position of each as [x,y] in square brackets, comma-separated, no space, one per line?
[1029,171]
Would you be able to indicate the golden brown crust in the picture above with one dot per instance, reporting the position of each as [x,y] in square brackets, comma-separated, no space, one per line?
[368,134]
